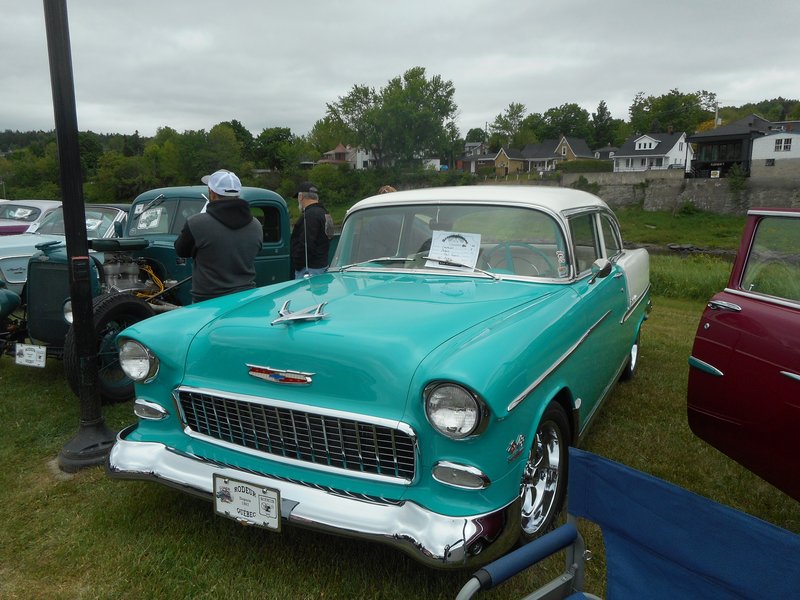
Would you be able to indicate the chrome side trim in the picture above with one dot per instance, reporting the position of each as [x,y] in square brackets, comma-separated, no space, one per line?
[764,298]
[705,367]
[635,305]
[571,350]
[435,539]
[791,375]
[773,213]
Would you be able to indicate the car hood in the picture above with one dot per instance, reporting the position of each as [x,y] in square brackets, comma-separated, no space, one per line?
[366,335]
[15,251]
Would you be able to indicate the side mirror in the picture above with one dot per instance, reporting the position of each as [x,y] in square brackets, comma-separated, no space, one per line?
[600,269]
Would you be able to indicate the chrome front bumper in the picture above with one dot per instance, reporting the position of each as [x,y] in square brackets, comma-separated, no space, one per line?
[437,540]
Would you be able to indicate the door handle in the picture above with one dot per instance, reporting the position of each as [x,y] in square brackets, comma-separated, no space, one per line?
[718,304]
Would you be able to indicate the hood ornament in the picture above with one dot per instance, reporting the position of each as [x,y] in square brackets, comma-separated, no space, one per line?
[284,376]
[312,313]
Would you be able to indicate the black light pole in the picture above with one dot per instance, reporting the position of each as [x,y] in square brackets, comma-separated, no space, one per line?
[91,445]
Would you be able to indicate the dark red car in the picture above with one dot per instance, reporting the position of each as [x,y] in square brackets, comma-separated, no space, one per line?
[744,376]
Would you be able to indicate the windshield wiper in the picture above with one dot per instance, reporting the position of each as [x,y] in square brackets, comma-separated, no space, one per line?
[450,263]
[159,199]
[382,259]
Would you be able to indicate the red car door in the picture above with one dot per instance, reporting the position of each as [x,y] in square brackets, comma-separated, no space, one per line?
[744,380]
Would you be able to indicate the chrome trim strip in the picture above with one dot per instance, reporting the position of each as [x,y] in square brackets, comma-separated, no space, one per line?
[434,539]
[791,375]
[635,305]
[764,298]
[475,472]
[329,412]
[516,401]
[705,367]
[773,213]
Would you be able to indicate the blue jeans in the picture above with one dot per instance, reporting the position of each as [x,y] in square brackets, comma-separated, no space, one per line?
[307,271]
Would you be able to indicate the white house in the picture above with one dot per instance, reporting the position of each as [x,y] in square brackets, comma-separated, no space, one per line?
[775,154]
[654,151]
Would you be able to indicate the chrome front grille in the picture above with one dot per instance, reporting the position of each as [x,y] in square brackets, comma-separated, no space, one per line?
[290,433]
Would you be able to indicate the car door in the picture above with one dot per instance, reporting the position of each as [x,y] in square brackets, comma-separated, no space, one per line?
[272,263]
[744,380]
[603,305]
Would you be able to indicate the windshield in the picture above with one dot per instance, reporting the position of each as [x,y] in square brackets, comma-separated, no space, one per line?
[99,222]
[162,215]
[19,212]
[502,240]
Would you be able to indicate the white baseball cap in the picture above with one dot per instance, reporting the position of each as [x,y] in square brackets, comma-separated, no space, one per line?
[223,183]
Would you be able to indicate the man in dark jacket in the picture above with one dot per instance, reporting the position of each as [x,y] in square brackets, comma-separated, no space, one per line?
[311,235]
[223,241]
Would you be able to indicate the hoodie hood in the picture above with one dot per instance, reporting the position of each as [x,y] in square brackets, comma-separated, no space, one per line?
[231,212]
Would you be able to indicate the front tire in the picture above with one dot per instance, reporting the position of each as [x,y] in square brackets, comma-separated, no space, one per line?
[544,478]
[112,314]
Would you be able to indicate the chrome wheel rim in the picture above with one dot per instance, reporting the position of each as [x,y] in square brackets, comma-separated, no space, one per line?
[540,479]
[634,355]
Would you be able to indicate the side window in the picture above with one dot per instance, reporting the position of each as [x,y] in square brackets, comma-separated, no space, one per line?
[270,220]
[611,239]
[584,238]
[773,267]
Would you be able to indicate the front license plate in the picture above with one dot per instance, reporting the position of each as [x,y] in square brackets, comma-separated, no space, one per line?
[30,355]
[247,503]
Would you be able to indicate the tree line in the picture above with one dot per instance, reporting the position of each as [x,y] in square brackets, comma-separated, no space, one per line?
[410,119]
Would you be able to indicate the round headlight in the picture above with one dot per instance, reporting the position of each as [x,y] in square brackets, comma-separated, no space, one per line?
[452,410]
[136,361]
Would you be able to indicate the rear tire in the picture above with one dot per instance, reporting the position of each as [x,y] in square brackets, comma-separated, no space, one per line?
[629,371]
[112,314]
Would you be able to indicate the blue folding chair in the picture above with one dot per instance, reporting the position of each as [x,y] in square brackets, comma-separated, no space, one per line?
[661,541]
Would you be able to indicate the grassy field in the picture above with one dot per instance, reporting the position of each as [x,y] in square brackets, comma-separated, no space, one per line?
[87,536]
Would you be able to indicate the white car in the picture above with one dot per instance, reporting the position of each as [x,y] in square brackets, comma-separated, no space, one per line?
[16,250]
[16,216]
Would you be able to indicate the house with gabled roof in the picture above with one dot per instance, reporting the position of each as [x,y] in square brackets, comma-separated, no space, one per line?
[654,151]
[541,157]
[719,149]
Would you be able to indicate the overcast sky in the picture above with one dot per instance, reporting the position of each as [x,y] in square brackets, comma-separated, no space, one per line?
[190,64]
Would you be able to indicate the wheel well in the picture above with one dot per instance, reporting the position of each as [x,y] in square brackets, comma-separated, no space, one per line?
[565,399]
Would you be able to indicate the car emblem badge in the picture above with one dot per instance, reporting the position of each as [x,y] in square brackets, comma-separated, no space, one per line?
[515,447]
[283,376]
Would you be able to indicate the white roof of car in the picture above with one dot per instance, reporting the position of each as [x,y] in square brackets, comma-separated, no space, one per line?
[553,198]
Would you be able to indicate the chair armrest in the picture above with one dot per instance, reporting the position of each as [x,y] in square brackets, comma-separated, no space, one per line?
[498,571]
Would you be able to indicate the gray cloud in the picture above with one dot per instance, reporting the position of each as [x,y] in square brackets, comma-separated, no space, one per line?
[191,64]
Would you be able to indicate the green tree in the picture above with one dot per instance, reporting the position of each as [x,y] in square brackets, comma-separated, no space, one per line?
[411,118]
[329,132]
[273,148]
[476,134]
[506,126]
[674,110]
[568,119]
[244,137]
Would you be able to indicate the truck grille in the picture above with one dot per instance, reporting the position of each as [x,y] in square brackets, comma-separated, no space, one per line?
[300,435]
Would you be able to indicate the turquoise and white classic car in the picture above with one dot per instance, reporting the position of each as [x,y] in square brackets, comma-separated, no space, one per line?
[423,392]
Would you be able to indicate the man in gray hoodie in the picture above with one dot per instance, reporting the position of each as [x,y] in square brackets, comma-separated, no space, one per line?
[223,241]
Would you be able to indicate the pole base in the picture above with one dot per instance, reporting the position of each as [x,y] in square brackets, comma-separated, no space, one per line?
[88,448]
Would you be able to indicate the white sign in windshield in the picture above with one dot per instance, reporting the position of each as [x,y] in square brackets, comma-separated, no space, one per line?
[459,249]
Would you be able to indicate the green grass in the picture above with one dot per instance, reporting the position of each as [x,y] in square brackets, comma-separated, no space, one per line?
[86,536]
[685,227]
